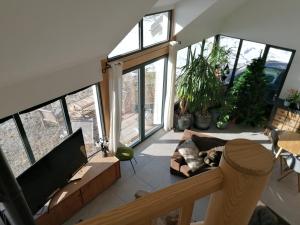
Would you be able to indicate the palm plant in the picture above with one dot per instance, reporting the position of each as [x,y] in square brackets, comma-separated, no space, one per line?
[198,87]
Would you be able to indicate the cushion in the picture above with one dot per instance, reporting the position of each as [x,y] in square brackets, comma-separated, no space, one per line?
[206,143]
[190,153]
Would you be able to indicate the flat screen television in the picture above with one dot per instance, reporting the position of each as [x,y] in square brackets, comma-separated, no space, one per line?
[53,171]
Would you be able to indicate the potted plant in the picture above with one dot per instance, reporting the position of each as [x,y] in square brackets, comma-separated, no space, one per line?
[184,118]
[293,99]
[206,85]
[226,112]
[246,95]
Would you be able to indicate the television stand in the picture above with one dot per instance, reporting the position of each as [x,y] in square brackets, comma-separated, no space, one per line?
[92,179]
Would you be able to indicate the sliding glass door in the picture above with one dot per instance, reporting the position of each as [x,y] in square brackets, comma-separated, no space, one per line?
[130,128]
[142,101]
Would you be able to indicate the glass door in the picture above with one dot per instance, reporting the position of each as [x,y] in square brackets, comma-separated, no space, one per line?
[154,92]
[143,92]
[130,120]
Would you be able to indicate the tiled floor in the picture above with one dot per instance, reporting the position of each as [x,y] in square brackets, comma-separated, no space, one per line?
[153,157]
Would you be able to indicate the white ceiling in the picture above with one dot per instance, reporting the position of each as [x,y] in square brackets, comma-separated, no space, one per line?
[44,36]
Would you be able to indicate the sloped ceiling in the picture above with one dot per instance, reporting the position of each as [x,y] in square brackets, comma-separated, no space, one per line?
[39,36]
[45,45]
[209,22]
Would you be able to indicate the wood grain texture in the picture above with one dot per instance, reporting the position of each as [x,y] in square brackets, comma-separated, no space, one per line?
[104,89]
[96,176]
[246,166]
[248,157]
[186,213]
[236,186]
[286,120]
[160,202]
[289,141]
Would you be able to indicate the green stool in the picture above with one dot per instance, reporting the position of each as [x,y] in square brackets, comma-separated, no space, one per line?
[125,154]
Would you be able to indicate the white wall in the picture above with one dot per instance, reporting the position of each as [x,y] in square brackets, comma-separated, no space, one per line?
[36,90]
[46,46]
[187,11]
[208,23]
[270,21]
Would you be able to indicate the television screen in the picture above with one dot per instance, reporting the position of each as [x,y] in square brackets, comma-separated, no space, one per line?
[53,171]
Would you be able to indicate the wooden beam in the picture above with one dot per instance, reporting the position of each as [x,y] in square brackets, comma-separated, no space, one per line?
[158,203]
[104,89]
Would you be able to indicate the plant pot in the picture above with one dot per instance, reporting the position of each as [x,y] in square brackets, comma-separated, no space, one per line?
[215,112]
[202,121]
[184,121]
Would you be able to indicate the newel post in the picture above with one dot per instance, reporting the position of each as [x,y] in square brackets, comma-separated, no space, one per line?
[246,167]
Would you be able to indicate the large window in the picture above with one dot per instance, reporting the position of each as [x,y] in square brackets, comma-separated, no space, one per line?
[12,146]
[27,136]
[196,48]
[250,50]
[83,109]
[130,131]
[209,43]
[151,30]
[142,101]
[181,60]
[45,128]
[154,81]
[275,70]
[155,29]
[277,60]
[233,45]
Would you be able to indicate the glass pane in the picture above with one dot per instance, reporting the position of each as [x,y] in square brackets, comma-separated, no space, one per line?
[209,43]
[275,68]
[233,45]
[12,147]
[45,128]
[155,28]
[196,48]
[181,60]
[250,50]
[84,112]
[154,81]
[130,108]
[130,43]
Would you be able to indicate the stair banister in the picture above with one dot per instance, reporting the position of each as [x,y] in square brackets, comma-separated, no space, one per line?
[235,188]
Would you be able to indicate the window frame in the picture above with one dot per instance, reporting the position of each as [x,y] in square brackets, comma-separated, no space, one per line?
[141,88]
[264,56]
[62,99]
[141,36]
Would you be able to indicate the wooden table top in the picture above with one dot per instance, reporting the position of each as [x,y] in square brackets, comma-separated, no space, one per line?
[290,141]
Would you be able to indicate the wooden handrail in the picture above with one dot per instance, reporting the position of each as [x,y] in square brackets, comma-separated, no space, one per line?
[162,201]
[235,186]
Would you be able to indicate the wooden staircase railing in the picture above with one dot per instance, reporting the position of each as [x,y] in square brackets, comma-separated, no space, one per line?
[235,188]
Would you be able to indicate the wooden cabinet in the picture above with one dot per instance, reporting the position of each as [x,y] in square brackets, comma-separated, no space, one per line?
[286,119]
[92,179]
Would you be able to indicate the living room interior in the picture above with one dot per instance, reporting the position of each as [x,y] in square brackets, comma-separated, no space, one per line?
[107,79]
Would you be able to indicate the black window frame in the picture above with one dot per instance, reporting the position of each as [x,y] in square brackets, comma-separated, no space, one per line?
[19,125]
[141,37]
[264,56]
[141,87]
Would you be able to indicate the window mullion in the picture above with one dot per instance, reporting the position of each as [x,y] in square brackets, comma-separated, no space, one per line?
[66,115]
[24,138]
